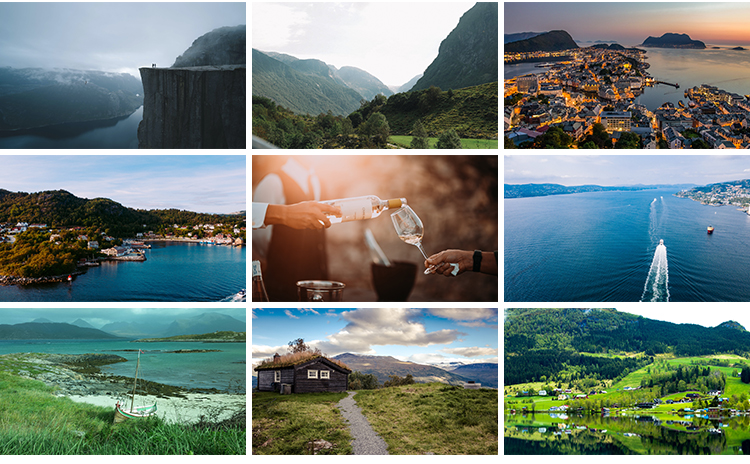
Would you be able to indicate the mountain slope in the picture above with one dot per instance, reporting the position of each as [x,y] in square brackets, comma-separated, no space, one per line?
[508,38]
[551,41]
[468,56]
[484,373]
[471,111]
[50,331]
[221,46]
[384,366]
[204,323]
[363,82]
[300,92]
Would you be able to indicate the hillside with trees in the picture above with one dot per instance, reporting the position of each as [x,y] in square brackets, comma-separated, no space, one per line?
[552,41]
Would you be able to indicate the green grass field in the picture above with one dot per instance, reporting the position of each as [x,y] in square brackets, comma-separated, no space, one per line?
[433,417]
[35,421]
[405,141]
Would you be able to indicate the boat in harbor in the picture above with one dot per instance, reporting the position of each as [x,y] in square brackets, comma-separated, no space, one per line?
[710,230]
[123,413]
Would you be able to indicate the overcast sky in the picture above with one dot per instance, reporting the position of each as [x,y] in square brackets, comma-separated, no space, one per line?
[392,41]
[199,183]
[630,23]
[99,317]
[115,37]
[423,336]
[625,169]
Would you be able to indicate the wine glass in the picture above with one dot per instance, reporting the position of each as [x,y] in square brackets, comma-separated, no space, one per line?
[410,229]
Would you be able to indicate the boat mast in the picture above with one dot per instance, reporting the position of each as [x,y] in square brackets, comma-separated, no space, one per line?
[135,381]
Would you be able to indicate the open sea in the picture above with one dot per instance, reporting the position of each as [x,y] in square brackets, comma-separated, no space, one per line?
[604,246]
[172,272]
[223,371]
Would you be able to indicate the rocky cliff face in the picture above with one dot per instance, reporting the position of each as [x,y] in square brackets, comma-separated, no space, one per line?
[196,107]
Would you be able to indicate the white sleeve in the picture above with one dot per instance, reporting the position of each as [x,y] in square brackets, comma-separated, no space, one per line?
[259,215]
[270,190]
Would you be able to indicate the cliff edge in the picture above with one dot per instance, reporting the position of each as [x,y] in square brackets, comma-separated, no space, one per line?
[194,107]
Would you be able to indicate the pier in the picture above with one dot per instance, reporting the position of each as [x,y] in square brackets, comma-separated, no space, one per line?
[676,86]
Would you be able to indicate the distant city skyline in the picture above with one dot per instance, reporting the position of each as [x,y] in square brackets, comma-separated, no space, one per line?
[630,23]
[198,183]
[615,170]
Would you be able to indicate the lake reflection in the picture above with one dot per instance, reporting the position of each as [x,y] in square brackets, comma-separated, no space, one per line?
[544,433]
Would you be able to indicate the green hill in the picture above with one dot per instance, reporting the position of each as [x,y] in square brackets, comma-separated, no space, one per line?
[471,111]
[552,41]
[221,336]
[299,91]
[468,56]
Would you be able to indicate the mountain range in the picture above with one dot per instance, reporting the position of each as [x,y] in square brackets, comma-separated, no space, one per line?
[36,97]
[552,41]
[384,366]
[468,56]
[520,36]
[80,329]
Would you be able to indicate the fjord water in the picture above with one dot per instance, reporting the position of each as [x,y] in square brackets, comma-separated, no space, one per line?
[602,246]
[554,433]
[224,370]
[172,272]
[114,133]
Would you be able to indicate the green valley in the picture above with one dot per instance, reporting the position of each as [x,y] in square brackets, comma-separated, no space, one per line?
[591,381]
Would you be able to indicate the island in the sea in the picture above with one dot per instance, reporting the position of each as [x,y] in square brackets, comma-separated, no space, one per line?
[672,40]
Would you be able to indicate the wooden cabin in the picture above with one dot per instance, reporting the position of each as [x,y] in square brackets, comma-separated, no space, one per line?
[309,375]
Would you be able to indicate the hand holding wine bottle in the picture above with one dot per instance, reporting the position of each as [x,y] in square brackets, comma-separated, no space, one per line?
[303,215]
[359,208]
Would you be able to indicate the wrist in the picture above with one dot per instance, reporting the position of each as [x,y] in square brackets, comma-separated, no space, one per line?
[275,214]
[476,261]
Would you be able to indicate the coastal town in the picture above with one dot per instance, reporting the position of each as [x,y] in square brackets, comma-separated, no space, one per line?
[587,98]
[735,193]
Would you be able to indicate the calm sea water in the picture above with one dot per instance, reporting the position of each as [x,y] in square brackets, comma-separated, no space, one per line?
[171,272]
[221,370]
[724,68]
[119,133]
[605,247]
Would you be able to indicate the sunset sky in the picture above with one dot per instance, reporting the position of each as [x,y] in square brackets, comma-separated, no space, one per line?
[630,23]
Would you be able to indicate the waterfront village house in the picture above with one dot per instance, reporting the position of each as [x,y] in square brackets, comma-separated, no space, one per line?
[308,375]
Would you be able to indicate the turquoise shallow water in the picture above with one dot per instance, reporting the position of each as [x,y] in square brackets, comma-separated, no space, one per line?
[601,247]
[223,371]
[171,272]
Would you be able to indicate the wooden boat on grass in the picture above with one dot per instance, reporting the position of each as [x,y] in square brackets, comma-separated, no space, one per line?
[123,413]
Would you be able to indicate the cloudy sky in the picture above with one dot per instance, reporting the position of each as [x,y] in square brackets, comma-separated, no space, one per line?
[115,37]
[98,317]
[424,336]
[392,41]
[200,183]
[630,23]
[625,169]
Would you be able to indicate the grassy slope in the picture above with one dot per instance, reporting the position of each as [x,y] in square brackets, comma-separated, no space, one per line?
[34,421]
[285,424]
[434,417]
[405,140]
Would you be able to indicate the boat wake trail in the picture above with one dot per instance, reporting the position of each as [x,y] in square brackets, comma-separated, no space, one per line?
[656,287]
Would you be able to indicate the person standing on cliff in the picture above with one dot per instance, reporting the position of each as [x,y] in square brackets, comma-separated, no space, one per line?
[291,254]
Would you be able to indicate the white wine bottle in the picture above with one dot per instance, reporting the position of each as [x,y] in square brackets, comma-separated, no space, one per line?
[359,208]
[259,288]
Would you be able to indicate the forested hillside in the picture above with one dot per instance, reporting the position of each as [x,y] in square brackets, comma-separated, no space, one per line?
[550,341]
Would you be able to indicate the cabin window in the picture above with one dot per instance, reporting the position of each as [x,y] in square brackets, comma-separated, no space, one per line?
[312,374]
[277,376]
[325,374]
